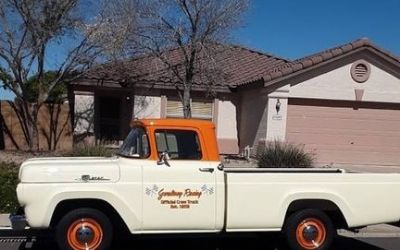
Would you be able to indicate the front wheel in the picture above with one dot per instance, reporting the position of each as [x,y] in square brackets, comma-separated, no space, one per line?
[84,229]
[309,230]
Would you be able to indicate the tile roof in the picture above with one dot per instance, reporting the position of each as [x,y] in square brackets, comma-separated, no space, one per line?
[313,60]
[238,65]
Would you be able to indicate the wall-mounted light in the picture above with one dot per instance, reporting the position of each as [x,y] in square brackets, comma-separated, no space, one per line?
[278,106]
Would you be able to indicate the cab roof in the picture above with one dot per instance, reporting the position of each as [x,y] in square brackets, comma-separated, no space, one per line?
[172,122]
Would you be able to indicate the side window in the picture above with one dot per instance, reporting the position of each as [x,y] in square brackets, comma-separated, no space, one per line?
[136,144]
[180,144]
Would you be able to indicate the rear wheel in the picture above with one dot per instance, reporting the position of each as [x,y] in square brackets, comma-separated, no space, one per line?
[84,229]
[309,230]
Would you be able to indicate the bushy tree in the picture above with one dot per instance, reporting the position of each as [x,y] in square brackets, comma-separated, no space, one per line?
[194,28]
[31,30]
[190,30]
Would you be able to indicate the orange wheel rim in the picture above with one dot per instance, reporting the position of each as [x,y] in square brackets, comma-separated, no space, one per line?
[311,233]
[84,234]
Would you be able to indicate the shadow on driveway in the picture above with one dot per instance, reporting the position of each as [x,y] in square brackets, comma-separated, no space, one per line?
[226,242]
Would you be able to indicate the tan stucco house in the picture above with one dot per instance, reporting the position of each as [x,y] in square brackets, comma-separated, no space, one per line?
[343,104]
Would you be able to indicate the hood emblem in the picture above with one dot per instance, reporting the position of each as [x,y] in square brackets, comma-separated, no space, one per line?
[86,178]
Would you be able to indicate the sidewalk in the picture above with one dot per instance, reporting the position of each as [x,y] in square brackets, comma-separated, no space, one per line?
[375,231]
[381,230]
[4,221]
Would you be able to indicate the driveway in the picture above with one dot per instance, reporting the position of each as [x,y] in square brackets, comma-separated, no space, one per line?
[231,242]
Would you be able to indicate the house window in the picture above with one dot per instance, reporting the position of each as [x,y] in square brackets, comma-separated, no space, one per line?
[179,144]
[200,109]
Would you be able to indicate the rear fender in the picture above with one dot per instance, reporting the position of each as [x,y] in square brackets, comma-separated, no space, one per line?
[334,198]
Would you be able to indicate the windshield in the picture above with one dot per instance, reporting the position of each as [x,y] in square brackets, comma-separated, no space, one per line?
[136,144]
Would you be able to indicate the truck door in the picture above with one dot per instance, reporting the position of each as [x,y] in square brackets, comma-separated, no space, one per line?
[179,194]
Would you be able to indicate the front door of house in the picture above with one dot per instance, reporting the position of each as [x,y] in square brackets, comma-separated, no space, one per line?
[109,118]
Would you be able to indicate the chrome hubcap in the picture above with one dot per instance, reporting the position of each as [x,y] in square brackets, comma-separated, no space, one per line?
[84,235]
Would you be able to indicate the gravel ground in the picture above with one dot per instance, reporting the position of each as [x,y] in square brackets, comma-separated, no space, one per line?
[239,163]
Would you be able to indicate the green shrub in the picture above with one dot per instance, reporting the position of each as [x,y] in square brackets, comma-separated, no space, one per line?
[8,185]
[91,151]
[284,155]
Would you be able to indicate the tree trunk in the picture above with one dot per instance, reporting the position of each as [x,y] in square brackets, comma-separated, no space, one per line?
[34,127]
[27,115]
[187,110]
[24,112]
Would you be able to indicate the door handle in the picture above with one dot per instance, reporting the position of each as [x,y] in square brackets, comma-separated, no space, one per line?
[206,170]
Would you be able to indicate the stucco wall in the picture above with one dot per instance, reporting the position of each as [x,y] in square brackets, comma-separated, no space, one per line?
[227,127]
[277,116]
[253,115]
[339,85]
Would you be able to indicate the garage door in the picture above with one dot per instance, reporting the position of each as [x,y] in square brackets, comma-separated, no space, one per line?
[346,133]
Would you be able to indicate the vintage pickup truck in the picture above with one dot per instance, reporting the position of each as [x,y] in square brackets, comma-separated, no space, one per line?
[168,178]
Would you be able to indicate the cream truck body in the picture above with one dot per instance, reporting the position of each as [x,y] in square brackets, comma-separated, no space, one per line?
[199,195]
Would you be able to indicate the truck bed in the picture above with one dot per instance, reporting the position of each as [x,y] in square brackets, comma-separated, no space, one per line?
[258,199]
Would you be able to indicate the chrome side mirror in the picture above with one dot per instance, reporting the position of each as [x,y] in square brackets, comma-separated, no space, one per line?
[164,158]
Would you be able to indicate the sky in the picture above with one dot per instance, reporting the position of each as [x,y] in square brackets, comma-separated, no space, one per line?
[297,28]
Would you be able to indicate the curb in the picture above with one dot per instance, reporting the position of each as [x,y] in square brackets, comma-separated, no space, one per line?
[375,231]
[369,235]
[4,220]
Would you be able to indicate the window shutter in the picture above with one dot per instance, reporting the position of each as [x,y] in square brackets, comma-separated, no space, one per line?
[200,109]
[174,109]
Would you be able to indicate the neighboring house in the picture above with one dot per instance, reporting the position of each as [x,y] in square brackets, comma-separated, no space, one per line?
[343,104]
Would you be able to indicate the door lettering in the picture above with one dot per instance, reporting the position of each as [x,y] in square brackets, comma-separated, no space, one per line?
[179,198]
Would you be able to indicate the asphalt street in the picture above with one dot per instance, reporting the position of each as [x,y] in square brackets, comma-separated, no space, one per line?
[230,242]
